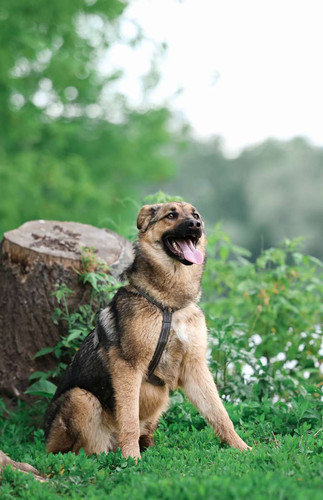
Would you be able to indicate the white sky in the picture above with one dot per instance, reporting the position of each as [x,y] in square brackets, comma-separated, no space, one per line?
[248,69]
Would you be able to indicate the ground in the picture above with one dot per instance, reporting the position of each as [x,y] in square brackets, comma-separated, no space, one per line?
[187,462]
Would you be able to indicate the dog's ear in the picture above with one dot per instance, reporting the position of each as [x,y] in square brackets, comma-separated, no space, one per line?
[146,215]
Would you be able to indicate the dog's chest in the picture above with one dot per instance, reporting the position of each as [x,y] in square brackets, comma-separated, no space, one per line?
[177,345]
[179,330]
[168,368]
[183,337]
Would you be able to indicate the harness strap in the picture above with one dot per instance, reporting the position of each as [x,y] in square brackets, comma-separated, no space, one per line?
[162,341]
[151,299]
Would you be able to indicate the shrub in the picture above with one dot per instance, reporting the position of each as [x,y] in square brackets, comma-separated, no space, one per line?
[264,318]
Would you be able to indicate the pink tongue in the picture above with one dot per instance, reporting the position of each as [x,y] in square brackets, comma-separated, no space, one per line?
[190,252]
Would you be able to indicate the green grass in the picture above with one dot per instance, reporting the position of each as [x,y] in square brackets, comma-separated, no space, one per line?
[187,462]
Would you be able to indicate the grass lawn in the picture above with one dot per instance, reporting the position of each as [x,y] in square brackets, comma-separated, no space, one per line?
[187,462]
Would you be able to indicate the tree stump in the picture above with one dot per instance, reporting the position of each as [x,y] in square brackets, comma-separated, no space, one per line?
[33,259]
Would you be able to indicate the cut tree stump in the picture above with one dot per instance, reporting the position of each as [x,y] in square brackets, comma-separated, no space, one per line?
[33,259]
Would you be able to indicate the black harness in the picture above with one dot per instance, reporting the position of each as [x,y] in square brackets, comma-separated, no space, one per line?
[163,337]
[99,334]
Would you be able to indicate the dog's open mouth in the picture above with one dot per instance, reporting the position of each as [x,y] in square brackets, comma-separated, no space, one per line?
[184,249]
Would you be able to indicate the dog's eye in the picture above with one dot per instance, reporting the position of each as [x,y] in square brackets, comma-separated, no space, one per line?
[171,216]
[196,216]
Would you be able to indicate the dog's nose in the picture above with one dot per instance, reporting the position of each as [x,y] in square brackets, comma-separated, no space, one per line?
[193,223]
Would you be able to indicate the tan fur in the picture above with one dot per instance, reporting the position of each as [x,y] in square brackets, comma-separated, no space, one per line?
[173,283]
[82,424]
[139,404]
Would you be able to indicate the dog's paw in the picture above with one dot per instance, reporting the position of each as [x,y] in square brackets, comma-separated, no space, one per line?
[235,441]
[244,447]
[131,451]
[240,444]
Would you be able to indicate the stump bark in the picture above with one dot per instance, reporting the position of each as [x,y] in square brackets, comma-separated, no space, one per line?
[33,259]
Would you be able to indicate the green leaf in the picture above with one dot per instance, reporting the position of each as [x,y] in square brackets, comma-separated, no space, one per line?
[93,279]
[37,375]
[42,388]
[298,258]
[241,251]
[161,197]
[224,252]
[315,261]
[44,351]
[74,334]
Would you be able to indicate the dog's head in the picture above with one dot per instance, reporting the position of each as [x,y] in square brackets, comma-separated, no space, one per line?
[176,228]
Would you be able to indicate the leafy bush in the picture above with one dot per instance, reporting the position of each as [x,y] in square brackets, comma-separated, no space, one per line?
[264,319]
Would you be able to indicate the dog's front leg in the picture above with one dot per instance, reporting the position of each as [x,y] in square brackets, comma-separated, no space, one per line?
[126,383]
[200,388]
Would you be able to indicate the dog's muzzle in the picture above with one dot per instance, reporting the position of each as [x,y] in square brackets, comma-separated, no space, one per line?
[181,242]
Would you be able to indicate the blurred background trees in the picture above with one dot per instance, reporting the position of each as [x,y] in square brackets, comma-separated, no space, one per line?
[73,148]
[269,192]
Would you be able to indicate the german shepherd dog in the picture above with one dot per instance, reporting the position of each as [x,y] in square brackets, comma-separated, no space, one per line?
[105,399]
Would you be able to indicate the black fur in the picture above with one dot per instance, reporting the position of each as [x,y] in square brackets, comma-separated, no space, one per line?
[87,369]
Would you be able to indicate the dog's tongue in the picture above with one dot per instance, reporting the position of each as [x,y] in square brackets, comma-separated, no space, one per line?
[191,253]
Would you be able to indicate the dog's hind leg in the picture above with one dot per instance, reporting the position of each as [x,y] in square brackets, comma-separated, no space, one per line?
[145,442]
[153,402]
[146,437]
[80,423]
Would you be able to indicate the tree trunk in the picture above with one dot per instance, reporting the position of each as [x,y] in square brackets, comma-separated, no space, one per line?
[33,259]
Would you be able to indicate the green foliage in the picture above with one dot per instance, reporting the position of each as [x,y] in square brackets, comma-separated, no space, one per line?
[161,197]
[42,387]
[270,191]
[264,317]
[302,413]
[187,462]
[72,146]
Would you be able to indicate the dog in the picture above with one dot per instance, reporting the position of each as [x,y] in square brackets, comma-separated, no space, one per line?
[111,396]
